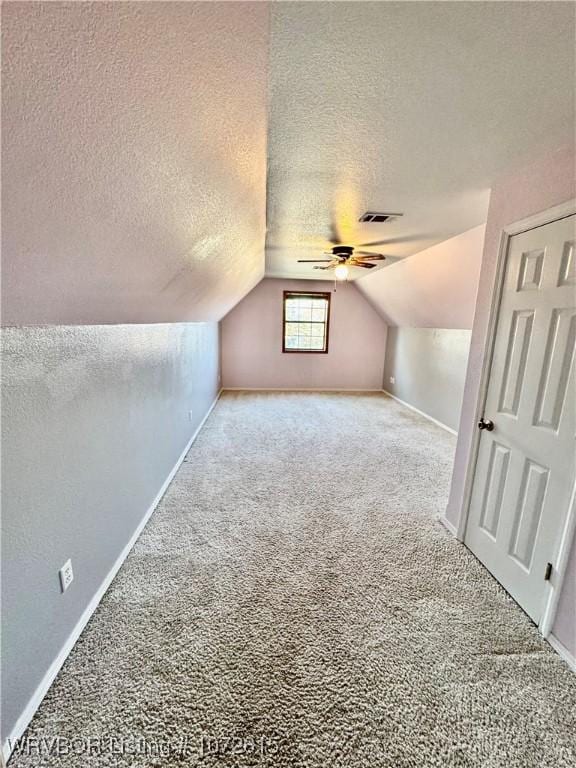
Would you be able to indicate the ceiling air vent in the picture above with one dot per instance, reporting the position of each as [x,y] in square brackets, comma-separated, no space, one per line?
[373,217]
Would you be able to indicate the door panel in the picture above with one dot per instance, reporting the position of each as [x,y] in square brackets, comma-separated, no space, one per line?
[528,512]
[553,384]
[494,491]
[568,267]
[518,345]
[525,467]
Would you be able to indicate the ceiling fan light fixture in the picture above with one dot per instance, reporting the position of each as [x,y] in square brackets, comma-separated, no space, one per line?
[341,272]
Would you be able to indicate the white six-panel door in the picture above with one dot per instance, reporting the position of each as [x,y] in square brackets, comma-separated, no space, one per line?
[524,473]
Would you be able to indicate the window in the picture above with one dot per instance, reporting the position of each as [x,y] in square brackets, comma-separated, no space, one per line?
[306,320]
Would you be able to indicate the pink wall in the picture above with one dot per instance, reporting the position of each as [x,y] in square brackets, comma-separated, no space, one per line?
[542,185]
[565,624]
[435,288]
[252,354]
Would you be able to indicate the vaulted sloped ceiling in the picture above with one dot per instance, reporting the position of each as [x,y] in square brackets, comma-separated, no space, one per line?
[134,159]
[155,152]
[411,107]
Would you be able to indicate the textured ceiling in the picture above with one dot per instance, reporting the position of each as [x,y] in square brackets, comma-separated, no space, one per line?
[148,146]
[134,159]
[411,107]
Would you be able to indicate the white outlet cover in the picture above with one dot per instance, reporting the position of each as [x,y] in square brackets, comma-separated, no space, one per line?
[66,575]
[190,415]
[392,380]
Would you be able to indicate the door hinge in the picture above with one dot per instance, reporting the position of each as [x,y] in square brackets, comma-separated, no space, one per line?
[548,572]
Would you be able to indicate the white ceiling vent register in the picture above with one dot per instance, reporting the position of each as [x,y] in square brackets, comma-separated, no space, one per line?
[373,217]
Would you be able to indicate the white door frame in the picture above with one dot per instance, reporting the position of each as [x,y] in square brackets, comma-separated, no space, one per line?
[555,584]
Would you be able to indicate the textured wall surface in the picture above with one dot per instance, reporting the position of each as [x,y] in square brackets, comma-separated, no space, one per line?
[93,420]
[432,289]
[134,159]
[429,368]
[413,107]
[252,342]
[547,182]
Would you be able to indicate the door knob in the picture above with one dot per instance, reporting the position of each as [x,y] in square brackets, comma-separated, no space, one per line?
[486,424]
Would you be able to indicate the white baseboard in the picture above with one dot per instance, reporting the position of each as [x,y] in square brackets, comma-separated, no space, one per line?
[562,651]
[296,389]
[443,520]
[417,410]
[41,691]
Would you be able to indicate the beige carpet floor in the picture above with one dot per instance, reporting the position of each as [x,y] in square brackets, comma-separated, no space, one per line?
[294,602]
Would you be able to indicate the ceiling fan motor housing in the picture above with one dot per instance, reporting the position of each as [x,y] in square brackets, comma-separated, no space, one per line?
[343,251]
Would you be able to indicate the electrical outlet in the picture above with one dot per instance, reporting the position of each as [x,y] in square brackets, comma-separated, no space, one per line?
[190,416]
[392,380]
[66,575]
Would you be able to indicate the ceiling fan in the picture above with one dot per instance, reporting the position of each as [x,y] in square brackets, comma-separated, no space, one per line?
[343,257]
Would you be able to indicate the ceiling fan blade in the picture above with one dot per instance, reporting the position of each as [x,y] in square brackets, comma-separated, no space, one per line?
[365,265]
[330,266]
[309,261]
[367,255]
